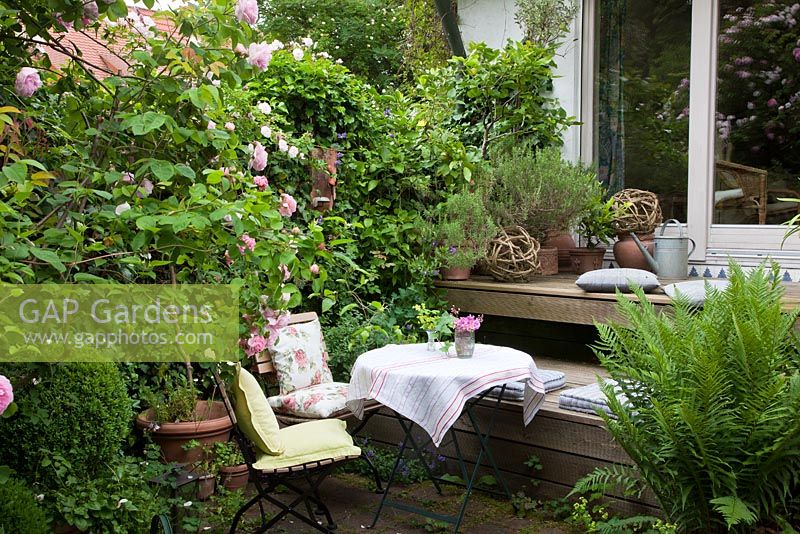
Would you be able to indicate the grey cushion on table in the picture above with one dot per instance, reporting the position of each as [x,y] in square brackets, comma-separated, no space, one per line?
[694,291]
[516,390]
[587,399]
[609,280]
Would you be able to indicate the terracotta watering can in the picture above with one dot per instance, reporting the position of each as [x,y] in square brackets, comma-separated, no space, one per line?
[672,252]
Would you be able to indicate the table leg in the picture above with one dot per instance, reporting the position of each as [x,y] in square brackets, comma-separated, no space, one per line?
[469,479]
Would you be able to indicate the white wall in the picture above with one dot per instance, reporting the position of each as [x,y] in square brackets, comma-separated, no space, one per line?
[492,22]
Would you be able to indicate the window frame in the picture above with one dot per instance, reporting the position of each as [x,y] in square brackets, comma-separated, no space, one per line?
[749,243]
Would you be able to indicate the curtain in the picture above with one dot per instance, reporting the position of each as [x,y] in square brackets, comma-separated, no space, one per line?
[610,103]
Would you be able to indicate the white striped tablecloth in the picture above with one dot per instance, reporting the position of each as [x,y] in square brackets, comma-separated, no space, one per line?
[431,388]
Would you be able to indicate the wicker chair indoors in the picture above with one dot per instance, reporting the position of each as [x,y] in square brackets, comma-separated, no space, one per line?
[298,457]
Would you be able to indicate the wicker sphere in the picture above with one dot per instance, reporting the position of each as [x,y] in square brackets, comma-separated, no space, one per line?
[513,255]
[636,211]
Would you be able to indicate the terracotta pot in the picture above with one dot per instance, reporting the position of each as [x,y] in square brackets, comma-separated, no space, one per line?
[205,487]
[587,259]
[564,243]
[627,254]
[212,424]
[234,477]
[454,273]
[548,261]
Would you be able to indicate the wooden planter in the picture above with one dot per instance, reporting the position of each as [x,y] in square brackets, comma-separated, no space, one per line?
[212,424]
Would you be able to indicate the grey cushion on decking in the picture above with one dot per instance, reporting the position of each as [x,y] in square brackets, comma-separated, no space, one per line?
[516,390]
[587,399]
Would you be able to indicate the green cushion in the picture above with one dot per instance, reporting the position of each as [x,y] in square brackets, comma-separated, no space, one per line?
[254,414]
[310,442]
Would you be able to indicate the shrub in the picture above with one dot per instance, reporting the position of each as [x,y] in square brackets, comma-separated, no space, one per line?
[79,411]
[518,105]
[462,230]
[365,34]
[19,511]
[713,396]
[537,190]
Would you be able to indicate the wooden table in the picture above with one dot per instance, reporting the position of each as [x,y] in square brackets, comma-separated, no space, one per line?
[553,298]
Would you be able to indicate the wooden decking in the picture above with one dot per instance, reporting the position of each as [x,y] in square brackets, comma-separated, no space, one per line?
[552,298]
[568,444]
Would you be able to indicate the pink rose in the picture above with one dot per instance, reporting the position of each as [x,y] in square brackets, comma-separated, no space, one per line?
[247,11]
[258,161]
[255,345]
[249,243]
[6,394]
[230,126]
[261,182]
[90,10]
[276,321]
[288,205]
[128,177]
[286,272]
[796,54]
[772,102]
[145,189]
[259,55]
[314,269]
[300,358]
[27,82]
[240,49]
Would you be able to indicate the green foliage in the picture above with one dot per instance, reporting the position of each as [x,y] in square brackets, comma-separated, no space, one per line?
[120,499]
[411,470]
[492,94]
[19,511]
[79,411]
[425,45]
[713,394]
[227,454]
[365,34]
[462,230]
[173,402]
[536,190]
[597,519]
[596,225]
[544,22]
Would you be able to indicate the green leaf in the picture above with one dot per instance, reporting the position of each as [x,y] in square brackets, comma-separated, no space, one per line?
[86,277]
[734,510]
[327,304]
[163,170]
[50,257]
[16,172]
[147,122]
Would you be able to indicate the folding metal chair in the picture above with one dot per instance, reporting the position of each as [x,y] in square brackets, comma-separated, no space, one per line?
[303,480]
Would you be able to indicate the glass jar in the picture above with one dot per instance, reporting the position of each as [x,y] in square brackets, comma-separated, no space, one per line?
[431,340]
[465,344]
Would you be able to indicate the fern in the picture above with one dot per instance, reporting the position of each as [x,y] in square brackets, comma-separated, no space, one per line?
[713,397]
[604,480]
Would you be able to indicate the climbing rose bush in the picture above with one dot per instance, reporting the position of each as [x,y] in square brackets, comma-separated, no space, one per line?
[127,177]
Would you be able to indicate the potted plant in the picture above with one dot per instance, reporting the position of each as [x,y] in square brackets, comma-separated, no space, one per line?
[542,193]
[595,227]
[462,231]
[230,466]
[176,416]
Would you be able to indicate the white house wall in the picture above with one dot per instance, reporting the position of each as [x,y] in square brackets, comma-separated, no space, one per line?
[492,22]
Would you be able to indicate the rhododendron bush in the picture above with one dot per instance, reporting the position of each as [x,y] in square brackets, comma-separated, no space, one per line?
[149,175]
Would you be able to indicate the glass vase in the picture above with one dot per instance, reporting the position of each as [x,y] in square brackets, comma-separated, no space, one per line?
[431,340]
[465,344]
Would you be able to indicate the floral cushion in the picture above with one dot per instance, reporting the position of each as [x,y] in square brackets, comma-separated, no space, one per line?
[318,402]
[300,358]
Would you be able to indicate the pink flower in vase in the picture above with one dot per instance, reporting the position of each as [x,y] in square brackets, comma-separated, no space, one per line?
[469,323]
